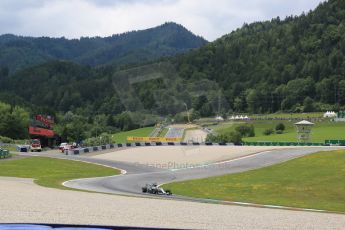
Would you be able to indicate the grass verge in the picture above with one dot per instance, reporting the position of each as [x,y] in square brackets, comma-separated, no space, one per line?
[315,181]
[122,136]
[50,172]
[322,131]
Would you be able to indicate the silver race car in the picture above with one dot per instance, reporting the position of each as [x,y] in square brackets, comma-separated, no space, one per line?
[155,189]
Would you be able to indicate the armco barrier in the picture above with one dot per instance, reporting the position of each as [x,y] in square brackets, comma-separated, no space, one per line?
[335,142]
[267,143]
[137,144]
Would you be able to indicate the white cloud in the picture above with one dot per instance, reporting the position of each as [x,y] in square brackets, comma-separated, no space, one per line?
[76,18]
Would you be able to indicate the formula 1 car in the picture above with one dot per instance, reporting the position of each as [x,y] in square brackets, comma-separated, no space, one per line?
[154,189]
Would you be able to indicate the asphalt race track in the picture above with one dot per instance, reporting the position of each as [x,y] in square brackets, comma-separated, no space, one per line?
[138,175]
[175,132]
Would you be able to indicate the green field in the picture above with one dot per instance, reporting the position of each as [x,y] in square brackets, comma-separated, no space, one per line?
[122,136]
[51,172]
[322,131]
[314,181]
[211,120]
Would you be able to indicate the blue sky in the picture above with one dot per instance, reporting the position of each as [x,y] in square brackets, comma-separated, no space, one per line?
[75,18]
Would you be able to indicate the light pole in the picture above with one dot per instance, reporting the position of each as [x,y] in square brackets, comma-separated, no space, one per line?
[187,112]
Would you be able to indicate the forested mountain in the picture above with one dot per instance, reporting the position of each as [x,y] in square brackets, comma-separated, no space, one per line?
[86,101]
[278,64]
[296,64]
[64,86]
[17,52]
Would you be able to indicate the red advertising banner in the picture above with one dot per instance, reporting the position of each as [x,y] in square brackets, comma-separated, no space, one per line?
[48,121]
[41,132]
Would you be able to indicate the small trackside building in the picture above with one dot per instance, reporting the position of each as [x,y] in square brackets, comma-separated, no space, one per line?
[41,127]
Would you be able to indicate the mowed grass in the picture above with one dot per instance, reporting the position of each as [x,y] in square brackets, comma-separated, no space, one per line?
[50,172]
[211,120]
[325,130]
[122,136]
[314,181]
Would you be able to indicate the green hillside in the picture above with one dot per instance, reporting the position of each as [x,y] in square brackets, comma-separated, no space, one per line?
[324,130]
[122,136]
[295,64]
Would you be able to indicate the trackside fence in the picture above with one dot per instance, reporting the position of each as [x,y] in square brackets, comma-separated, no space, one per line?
[247,143]
[269,143]
[335,142]
[272,143]
[137,144]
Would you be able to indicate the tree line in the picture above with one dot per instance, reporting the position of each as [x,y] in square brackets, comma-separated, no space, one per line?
[14,121]
[293,65]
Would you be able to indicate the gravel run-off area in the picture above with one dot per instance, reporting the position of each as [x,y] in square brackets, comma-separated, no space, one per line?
[178,156]
[22,201]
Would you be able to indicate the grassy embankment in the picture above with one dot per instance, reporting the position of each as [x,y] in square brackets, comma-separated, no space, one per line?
[314,181]
[121,137]
[51,172]
[321,131]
